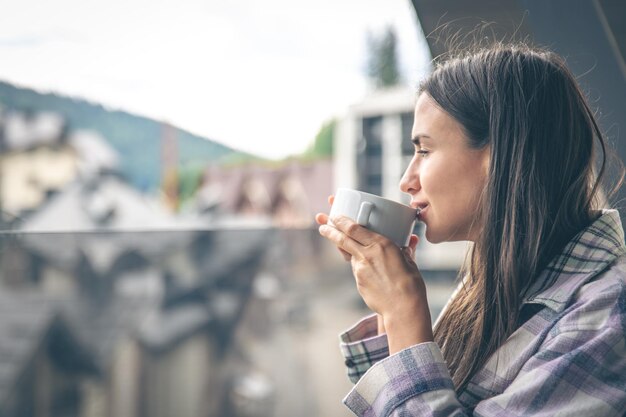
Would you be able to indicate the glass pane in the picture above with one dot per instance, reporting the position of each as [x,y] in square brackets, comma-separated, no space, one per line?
[191,322]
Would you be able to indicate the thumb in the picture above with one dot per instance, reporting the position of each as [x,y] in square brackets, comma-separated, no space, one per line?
[413,241]
[409,251]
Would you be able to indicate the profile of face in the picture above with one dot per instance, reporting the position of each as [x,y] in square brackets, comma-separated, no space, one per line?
[446,176]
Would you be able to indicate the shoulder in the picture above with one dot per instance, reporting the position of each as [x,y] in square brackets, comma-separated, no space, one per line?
[609,285]
[600,303]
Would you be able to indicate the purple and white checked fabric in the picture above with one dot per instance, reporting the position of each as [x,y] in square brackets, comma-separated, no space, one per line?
[569,359]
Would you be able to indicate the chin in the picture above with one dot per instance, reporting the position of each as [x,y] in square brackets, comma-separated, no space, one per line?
[432,237]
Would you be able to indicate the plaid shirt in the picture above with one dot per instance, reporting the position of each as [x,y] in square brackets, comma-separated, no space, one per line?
[569,359]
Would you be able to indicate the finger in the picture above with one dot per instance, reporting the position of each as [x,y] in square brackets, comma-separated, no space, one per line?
[341,240]
[321,218]
[409,250]
[354,230]
[413,241]
[346,256]
[408,253]
[331,199]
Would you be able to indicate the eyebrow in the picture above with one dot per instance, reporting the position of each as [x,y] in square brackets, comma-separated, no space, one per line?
[416,139]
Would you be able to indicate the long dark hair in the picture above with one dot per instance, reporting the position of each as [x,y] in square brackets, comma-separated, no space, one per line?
[542,188]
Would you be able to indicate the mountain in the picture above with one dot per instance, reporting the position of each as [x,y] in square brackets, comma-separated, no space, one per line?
[136,138]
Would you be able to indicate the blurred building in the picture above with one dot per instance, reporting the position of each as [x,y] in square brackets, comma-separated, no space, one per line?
[39,157]
[124,324]
[373,148]
[42,363]
[35,159]
[289,195]
[373,145]
[111,305]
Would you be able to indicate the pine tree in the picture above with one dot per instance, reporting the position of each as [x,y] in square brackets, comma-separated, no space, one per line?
[382,66]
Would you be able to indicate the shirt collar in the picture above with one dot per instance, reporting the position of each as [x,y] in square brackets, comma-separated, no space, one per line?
[586,255]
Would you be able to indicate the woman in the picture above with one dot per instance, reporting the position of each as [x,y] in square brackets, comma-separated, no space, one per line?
[504,158]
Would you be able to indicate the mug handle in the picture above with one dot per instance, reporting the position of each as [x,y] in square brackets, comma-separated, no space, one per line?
[364,213]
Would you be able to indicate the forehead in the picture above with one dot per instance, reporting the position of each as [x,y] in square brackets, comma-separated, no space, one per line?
[432,121]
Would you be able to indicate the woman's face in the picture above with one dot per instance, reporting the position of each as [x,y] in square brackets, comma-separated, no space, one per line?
[445,177]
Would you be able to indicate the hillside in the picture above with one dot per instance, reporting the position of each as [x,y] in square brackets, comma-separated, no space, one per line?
[136,138]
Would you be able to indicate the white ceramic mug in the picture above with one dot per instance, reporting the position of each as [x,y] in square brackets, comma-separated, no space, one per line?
[383,216]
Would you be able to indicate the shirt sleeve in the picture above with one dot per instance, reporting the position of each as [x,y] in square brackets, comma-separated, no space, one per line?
[579,372]
[362,346]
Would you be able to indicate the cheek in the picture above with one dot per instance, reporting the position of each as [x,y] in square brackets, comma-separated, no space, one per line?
[452,186]
[468,189]
[436,179]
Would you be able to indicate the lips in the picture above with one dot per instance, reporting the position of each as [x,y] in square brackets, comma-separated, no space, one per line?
[421,212]
[421,209]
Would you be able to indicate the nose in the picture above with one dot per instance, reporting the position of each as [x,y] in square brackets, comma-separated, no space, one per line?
[410,182]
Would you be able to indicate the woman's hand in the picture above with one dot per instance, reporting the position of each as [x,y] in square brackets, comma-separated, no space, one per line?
[387,278]
[322,218]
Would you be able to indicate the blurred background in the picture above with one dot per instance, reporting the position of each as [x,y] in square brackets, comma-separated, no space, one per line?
[160,167]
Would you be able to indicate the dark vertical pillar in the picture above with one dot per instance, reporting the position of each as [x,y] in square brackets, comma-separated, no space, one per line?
[580,31]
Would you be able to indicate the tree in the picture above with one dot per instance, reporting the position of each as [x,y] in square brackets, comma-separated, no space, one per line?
[382,65]
[189,179]
[322,146]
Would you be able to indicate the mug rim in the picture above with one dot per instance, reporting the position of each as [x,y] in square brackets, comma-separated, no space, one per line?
[378,196]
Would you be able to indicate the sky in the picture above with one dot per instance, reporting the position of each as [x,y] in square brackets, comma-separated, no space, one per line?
[259,76]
